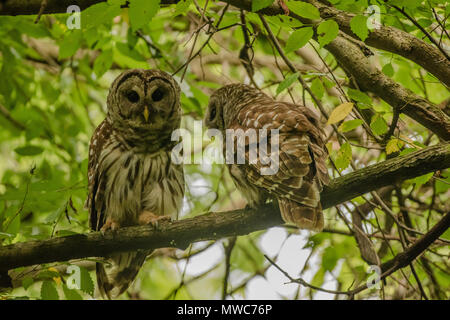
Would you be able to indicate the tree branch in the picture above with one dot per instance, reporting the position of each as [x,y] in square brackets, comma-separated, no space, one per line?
[31,7]
[369,78]
[393,40]
[213,226]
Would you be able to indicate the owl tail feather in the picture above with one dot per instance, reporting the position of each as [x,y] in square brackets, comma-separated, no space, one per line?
[302,216]
[115,276]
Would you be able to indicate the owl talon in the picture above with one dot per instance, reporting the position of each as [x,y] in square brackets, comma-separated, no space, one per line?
[109,225]
[152,219]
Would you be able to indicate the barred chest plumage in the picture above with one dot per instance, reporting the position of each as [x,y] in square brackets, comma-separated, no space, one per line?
[139,181]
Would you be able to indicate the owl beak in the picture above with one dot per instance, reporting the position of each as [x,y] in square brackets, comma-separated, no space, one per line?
[146,114]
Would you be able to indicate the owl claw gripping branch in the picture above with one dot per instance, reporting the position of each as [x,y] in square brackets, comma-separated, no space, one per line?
[132,179]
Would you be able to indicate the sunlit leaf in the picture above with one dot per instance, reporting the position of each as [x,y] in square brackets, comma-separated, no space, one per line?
[70,44]
[344,156]
[379,125]
[303,9]
[327,31]
[317,88]
[142,11]
[340,112]
[358,25]
[394,145]
[350,125]
[48,291]
[298,39]
[418,181]
[388,69]
[287,82]
[260,4]
[103,62]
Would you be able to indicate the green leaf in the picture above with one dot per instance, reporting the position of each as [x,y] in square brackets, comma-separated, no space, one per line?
[29,150]
[327,31]
[126,51]
[287,82]
[317,88]
[141,12]
[100,13]
[71,294]
[182,7]
[406,151]
[388,69]
[421,179]
[442,185]
[103,62]
[340,112]
[329,258]
[298,39]
[33,30]
[358,25]
[260,4]
[359,96]
[70,44]
[350,125]
[446,235]
[379,125]
[246,256]
[48,291]
[318,278]
[394,145]
[87,285]
[344,156]
[303,9]
[27,282]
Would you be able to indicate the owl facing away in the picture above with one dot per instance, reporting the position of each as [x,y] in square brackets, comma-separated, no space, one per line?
[300,151]
[131,177]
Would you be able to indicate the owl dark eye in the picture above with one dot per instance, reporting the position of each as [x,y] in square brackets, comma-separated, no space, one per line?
[157,95]
[212,115]
[132,96]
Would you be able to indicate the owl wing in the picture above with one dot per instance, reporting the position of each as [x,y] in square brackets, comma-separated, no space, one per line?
[96,179]
[302,169]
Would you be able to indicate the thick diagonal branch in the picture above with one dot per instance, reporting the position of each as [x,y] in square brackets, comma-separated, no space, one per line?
[394,40]
[214,226]
[369,78]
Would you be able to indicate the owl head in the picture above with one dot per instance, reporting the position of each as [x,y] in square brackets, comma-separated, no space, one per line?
[226,102]
[144,105]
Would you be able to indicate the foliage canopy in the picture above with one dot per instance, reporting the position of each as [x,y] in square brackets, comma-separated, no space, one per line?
[53,86]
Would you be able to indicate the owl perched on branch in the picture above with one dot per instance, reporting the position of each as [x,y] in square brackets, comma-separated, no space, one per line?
[300,152]
[131,177]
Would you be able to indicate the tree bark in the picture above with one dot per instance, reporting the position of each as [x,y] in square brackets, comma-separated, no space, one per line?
[213,226]
[394,40]
[350,56]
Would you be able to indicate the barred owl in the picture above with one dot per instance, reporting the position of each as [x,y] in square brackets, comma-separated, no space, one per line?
[300,152]
[131,177]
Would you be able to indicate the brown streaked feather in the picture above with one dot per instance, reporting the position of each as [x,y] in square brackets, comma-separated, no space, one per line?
[95,200]
[302,153]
